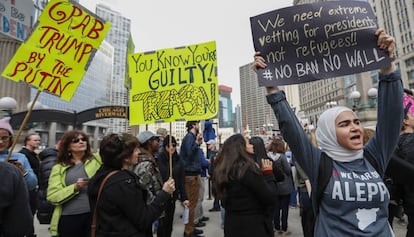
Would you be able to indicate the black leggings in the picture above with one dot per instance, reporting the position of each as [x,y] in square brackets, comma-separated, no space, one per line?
[75,225]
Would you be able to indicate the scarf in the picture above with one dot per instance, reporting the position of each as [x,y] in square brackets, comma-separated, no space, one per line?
[327,140]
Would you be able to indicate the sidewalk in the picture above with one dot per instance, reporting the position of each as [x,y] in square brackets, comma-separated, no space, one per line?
[212,229]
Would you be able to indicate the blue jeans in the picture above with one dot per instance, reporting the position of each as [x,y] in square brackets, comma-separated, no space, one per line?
[280,219]
[293,198]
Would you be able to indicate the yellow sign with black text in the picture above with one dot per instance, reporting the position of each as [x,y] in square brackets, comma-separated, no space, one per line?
[175,83]
[56,55]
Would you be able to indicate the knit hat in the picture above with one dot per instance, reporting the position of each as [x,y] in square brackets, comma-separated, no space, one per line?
[5,124]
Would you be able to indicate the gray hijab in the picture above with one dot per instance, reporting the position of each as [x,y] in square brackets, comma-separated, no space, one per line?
[327,140]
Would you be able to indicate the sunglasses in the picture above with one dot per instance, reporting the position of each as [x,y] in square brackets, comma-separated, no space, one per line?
[76,140]
[173,145]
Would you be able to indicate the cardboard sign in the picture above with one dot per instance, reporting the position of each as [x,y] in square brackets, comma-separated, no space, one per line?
[317,41]
[176,83]
[409,100]
[56,55]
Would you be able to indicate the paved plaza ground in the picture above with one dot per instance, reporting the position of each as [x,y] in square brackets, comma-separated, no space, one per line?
[212,229]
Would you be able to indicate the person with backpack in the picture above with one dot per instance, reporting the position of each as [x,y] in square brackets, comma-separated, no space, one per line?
[285,187]
[48,158]
[354,200]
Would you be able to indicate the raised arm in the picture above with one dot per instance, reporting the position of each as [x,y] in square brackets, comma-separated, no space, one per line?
[291,129]
[390,106]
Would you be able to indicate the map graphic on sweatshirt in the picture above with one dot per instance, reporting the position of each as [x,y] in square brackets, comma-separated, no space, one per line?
[366,217]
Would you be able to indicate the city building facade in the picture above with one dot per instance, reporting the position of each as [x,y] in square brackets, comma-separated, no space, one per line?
[92,92]
[257,116]
[238,119]
[397,18]
[358,91]
[225,113]
[119,36]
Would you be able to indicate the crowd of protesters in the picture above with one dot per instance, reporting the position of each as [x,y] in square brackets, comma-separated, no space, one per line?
[131,185]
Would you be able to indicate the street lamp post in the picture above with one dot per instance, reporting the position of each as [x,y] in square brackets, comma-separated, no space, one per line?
[372,94]
[331,104]
[365,108]
[268,128]
[37,105]
[355,96]
[7,104]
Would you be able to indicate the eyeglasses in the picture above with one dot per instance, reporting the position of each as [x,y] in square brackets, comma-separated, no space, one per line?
[76,140]
[173,145]
[5,138]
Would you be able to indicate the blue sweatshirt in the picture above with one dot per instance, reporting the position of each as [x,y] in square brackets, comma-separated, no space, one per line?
[355,201]
[30,178]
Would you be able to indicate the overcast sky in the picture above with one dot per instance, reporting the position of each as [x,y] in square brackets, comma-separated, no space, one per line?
[158,24]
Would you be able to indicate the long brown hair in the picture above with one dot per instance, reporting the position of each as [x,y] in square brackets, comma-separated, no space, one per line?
[232,163]
[64,155]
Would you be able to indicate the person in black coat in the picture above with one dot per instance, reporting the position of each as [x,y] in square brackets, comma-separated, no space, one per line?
[163,163]
[15,215]
[247,192]
[45,209]
[122,208]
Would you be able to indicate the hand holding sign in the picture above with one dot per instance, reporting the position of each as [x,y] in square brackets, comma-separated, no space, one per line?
[56,55]
[384,41]
[387,43]
[317,41]
[174,83]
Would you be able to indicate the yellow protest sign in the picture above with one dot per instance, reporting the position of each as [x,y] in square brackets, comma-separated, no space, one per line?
[175,83]
[57,53]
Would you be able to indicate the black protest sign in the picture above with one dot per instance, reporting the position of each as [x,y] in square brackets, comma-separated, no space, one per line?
[317,41]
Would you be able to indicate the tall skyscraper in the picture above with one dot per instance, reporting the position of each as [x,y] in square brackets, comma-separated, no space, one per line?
[91,92]
[225,107]
[119,37]
[93,89]
[397,18]
[257,115]
[238,119]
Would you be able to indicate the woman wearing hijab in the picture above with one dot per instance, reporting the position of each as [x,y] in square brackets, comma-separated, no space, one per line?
[355,200]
